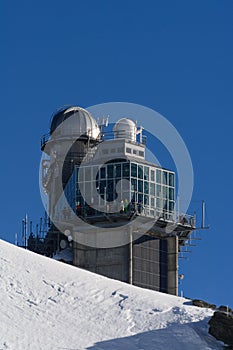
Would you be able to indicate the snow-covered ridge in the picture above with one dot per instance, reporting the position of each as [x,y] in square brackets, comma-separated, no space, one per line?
[48,305]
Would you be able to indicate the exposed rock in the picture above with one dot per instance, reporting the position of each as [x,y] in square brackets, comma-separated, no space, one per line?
[221,327]
[225,309]
[202,303]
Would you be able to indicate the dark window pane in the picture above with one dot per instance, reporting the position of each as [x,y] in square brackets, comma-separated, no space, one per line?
[140,186]
[141,153]
[158,203]
[146,187]
[152,202]
[134,170]
[158,191]
[133,184]
[126,170]
[165,178]
[110,171]
[110,196]
[171,194]
[102,186]
[158,176]
[165,207]
[152,175]
[164,192]
[171,206]
[140,198]
[110,186]
[102,173]
[146,173]
[140,172]
[118,170]
[146,199]
[152,189]
[171,179]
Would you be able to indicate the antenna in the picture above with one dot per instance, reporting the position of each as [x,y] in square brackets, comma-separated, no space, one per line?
[139,131]
[16,238]
[203,215]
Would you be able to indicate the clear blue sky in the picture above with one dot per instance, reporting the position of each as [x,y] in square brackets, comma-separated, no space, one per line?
[173,56]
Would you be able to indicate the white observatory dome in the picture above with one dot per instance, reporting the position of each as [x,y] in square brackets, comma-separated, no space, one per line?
[79,122]
[125,129]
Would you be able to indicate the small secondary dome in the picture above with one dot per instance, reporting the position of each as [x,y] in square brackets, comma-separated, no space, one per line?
[80,123]
[125,128]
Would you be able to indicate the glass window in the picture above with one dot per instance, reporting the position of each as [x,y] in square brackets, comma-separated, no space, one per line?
[128,150]
[152,189]
[158,203]
[152,175]
[158,191]
[140,198]
[102,173]
[146,173]
[110,185]
[110,196]
[171,206]
[165,192]
[113,150]
[98,175]
[134,151]
[118,170]
[81,174]
[158,176]
[171,194]
[146,199]
[125,169]
[105,151]
[88,174]
[95,172]
[133,170]
[146,187]
[133,184]
[165,207]
[140,186]
[110,170]
[102,186]
[171,179]
[152,202]
[140,172]
[165,177]
[141,153]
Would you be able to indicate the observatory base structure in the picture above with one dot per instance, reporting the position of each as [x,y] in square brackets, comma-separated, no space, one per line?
[107,182]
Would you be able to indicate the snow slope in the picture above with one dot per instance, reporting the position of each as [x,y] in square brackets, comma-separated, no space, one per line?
[48,305]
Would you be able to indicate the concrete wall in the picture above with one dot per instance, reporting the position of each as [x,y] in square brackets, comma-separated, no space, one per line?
[154,262]
[110,262]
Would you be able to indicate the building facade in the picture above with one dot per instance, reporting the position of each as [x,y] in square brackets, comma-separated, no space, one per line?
[112,186]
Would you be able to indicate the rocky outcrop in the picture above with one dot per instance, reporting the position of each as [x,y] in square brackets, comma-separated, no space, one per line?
[202,303]
[225,309]
[221,326]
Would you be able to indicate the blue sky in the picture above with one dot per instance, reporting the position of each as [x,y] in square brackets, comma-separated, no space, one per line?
[172,56]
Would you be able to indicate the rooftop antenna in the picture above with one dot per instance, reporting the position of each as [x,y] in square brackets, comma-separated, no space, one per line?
[103,123]
[139,131]
[203,215]
[16,238]
[25,231]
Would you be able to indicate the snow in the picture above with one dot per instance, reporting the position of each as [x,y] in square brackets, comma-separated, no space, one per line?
[46,304]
